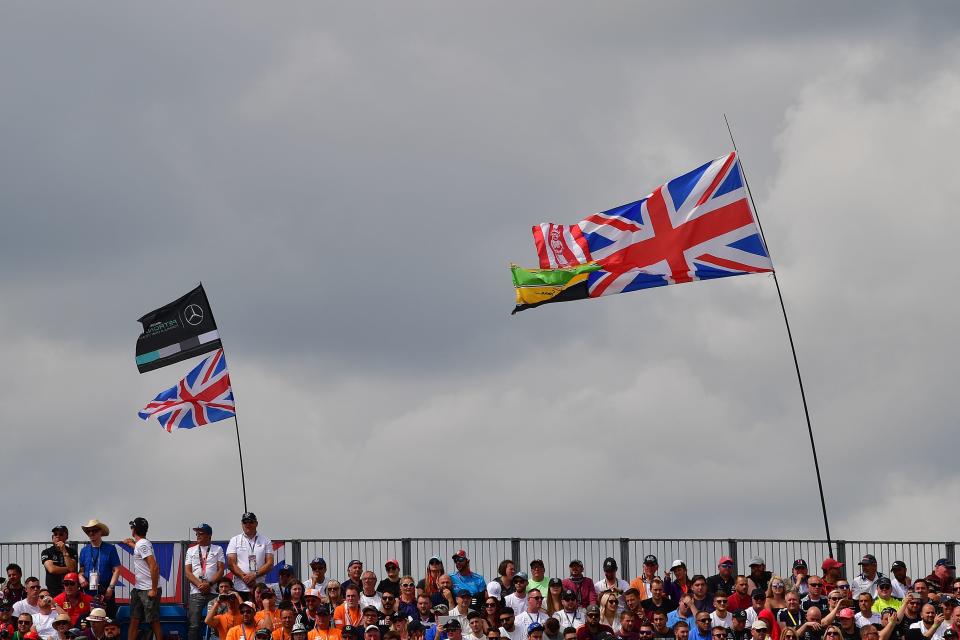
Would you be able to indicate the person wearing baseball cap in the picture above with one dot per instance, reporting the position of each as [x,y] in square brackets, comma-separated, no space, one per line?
[203,565]
[678,586]
[642,582]
[759,577]
[571,615]
[866,581]
[798,578]
[831,573]
[899,578]
[354,573]
[145,594]
[586,592]
[74,602]
[517,598]
[58,559]
[538,576]
[391,583]
[249,556]
[464,578]
[318,576]
[759,629]
[248,627]
[885,598]
[611,581]
[725,578]
[943,575]
[593,630]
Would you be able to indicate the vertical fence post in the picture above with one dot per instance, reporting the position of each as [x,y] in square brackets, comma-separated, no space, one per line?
[732,550]
[515,551]
[625,558]
[841,551]
[185,584]
[951,551]
[405,556]
[296,556]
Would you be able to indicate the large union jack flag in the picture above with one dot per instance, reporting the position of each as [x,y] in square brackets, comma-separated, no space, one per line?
[202,397]
[695,227]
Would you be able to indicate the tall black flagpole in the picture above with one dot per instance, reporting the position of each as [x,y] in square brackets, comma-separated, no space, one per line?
[243,482]
[796,364]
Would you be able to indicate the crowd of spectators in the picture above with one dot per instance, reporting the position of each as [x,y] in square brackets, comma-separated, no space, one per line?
[230,599]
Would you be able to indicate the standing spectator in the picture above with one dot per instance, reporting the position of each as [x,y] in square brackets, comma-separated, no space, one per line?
[354,571]
[586,593]
[680,584]
[831,573]
[538,576]
[14,591]
[99,565]
[249,556]
[73,602]
[31,604]
[814,597]
[58,559]
[899,579]
[464,578]
[145,594]
[501,586]
[612,582]
[391,583]
[800,576]
[866,582]
[724,579]
[203,567]
[642,582]
[942,575]
[318,576]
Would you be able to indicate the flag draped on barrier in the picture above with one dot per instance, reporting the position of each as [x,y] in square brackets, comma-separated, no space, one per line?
[698,226]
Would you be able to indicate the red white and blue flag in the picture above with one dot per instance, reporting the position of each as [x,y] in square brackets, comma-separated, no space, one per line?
[698,226]
[202,397]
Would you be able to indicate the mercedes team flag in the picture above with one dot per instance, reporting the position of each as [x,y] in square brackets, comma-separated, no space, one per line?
[202,397]
[699,226]
[177,331]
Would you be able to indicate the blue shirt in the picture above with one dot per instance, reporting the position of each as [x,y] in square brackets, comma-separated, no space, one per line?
[696,635]
[474,583]
[104,558]
[674,617]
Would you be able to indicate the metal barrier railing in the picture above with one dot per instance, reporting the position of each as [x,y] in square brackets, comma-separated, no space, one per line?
[700,554]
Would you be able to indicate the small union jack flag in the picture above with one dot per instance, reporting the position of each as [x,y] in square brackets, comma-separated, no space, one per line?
[202,397]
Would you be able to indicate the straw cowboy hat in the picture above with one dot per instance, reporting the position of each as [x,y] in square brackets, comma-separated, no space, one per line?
[96,524]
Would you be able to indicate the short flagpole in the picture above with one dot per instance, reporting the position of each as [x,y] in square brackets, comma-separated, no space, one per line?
[243,481]
[793,350]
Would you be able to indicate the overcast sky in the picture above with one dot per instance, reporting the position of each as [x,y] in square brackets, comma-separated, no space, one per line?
[350,181]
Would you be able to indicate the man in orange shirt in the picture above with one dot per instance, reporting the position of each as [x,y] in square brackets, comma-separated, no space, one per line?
[323,631]
[348,613]
[247,629]
[223,622]
[287,619]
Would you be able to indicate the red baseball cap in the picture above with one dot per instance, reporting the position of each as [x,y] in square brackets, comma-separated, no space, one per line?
[72,576]
[831,563]
[725,560]
[391,561]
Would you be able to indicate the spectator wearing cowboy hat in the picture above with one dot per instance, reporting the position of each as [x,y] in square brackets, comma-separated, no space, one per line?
[99,565]
[97,623]
[61,627]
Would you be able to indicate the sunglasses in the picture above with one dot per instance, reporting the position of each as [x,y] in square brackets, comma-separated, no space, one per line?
[831,634]
[535,598]
[814,584]
[843,586]
[593,615]
[407,585]
[24,621]
[491,605]
[69,583]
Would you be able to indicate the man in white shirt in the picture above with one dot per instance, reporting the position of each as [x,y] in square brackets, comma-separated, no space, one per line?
[866,582]
[930,624]
[610,582]
[508,627]
[249,556]
[533,614]
[145,594]
[721,617]
[571,615]
[368,591]
[203,566]
[31,603]
[518,599]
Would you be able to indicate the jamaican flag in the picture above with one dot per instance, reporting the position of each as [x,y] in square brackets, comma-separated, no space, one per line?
[540,286]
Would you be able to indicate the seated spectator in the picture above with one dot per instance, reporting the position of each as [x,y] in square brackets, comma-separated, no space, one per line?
[679,586]
[681,630]
[831,573]
[14,590]
[776,594]
[942,576]
[865,614]
[866,581]
[740,600]
[702,629]
[428,584]
[724,579]
[31,604]
[659,626]
[368,590]
[699,599]
[45,616]
[739,630]
[721,617]
[475,623]
[885,597]
[407,602]
[534,613]
[323,629]
[508,627]
[899,578]
[554,597]
[593,630]
[814,597]
[223,613]
[658,600]
[791,616]
[287,619]
[348,613]
[610,610]
[798,580]
[811,628]
[73,601]
[318,576]
[61,627]
[517,598]
[630,629]
[930,625]
[551,630]
[759,577]
[570,615]
[538,577]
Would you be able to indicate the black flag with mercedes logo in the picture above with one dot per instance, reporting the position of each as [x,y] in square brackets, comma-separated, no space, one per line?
[182,329]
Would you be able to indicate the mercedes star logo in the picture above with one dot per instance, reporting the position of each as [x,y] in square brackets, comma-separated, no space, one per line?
[193,314]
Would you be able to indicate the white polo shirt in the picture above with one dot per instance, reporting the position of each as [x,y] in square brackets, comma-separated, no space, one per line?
[256,548]
[202,562]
